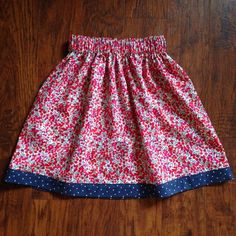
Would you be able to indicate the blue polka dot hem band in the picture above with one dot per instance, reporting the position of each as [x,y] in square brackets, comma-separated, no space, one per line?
[119,191]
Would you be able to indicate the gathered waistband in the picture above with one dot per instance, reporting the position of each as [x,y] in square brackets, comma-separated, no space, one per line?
[148,44]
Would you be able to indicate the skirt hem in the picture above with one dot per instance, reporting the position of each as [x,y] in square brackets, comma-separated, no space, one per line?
[122,190]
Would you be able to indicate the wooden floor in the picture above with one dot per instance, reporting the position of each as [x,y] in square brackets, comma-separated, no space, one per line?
[200,35]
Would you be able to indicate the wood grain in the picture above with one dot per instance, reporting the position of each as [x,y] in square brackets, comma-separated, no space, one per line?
[201,37]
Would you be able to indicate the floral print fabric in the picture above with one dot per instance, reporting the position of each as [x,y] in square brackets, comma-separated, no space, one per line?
[118,111]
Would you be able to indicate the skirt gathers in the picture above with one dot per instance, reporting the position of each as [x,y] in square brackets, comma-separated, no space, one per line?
[118,118]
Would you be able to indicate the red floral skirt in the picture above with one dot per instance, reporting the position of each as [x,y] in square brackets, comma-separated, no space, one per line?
[118,118]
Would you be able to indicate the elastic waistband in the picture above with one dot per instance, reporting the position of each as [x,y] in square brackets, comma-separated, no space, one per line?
[148,44]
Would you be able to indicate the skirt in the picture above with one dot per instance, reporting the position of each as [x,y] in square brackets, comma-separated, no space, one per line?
[118,118]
